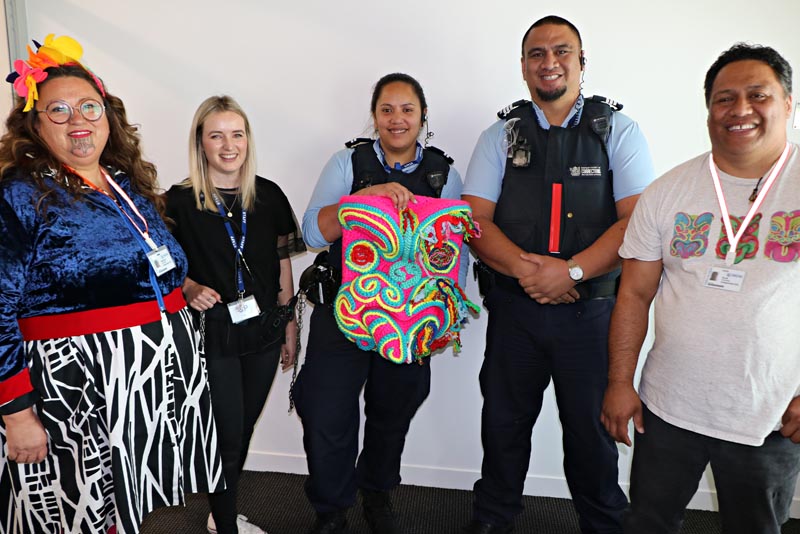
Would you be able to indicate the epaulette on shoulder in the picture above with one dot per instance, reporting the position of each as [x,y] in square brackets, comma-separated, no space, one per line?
[503,113]
[613,104]
[441,153]
[352,143]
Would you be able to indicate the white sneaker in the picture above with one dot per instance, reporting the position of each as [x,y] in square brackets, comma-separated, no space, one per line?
[244,526]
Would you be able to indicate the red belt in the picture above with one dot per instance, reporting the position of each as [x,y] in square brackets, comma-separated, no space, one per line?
[100,320]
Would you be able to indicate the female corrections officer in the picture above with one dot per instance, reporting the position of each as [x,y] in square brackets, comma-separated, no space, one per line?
[393,165]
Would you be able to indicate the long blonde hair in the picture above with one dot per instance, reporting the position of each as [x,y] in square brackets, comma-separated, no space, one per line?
[199,180]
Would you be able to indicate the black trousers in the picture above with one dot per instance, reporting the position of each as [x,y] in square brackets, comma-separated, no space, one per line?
[327,399]
[755,485]
[239,387]
[527,345]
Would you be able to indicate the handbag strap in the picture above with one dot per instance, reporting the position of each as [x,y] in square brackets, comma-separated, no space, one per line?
[201,348]
[300,300]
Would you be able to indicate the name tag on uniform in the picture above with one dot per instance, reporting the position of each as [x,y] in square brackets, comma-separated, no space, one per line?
[725,279]
[243,309]
[161,260]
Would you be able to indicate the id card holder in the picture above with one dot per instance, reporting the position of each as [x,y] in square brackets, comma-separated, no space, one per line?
[161,260]
[243,309]
[725,279]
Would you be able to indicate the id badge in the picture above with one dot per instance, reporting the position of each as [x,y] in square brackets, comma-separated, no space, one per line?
[161,260]
[725,279]
[243,309]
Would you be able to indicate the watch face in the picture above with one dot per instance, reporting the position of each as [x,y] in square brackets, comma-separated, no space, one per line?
[576,273]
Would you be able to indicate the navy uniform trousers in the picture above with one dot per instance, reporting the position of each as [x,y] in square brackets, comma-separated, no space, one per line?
[327,399]
[527,345]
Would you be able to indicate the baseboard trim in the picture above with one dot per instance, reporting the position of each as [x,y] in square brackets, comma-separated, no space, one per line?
[463,479]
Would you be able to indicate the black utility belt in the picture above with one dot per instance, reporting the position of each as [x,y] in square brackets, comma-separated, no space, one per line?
[588,290]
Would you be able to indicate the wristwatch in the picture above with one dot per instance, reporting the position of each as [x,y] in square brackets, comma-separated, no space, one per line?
[575,271]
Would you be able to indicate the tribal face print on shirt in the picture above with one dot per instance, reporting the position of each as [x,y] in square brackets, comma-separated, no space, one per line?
[783,240]
[690,235]
[782,243]
[748,244]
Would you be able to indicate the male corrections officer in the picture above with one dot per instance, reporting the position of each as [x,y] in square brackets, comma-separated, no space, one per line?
[552,184]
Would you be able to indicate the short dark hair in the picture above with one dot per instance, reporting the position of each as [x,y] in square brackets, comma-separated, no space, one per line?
[744,51]
[398,77]
[552,19]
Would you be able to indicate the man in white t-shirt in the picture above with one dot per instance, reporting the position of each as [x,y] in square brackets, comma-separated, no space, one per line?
[716,243]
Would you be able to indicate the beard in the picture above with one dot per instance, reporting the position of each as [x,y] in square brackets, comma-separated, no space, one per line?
[551,96]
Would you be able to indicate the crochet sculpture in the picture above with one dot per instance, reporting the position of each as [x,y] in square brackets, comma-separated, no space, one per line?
[400,294]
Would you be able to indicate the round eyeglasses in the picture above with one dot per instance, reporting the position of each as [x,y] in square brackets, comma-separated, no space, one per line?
[60,112]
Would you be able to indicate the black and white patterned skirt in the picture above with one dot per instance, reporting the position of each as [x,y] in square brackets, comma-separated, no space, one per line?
[129,424]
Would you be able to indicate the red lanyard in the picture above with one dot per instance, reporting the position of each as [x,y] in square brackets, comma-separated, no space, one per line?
[726,219]
[144,233]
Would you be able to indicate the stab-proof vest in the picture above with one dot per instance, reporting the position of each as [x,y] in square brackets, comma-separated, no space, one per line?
[428,179]
[574,157]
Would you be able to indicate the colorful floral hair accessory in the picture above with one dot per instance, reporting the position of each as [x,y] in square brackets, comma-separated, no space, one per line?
[55,52]
[24,78]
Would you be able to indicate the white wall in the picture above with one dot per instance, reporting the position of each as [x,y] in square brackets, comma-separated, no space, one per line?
[304,72]
[6,93]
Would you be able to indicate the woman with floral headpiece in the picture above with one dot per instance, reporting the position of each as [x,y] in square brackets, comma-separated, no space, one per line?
[103,397]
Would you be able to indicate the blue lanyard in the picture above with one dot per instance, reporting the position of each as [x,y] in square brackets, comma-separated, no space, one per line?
[238,247]
[399,166]
[571,123]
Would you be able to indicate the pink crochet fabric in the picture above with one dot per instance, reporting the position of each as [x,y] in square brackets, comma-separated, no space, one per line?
[400,294]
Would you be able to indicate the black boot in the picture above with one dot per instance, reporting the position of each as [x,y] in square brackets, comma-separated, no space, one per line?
[378,512]
[329,523]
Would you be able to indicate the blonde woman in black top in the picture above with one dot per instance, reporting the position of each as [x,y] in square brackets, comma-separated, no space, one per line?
[238,231]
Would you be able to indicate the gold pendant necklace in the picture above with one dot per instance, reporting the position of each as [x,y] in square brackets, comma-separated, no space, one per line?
[228,209]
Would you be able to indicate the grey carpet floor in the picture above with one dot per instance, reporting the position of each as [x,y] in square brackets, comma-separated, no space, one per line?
[276,502]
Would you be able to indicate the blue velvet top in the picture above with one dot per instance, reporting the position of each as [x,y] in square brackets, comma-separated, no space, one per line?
[81,254]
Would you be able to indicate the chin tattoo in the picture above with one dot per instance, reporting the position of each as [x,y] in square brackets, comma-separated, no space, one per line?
[83,146]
